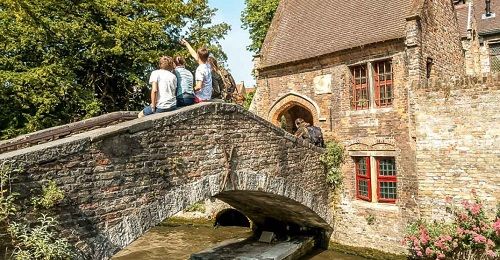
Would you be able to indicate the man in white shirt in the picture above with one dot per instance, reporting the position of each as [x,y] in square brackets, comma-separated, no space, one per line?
[164,84]
[203,75]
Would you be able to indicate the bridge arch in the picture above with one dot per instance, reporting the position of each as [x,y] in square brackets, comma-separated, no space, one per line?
[121,180]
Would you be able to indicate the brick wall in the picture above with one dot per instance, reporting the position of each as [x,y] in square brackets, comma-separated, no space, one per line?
[441,39]
[458,144]
[121,180]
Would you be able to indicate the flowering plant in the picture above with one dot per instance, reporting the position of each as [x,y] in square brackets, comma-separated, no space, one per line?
[469,236]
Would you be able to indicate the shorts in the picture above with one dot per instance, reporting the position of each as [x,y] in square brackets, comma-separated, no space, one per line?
[149,111]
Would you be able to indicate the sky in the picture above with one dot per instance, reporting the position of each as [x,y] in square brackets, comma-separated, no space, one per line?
[239,59]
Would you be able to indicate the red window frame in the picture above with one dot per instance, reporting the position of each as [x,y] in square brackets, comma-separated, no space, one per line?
[360,87]
[385,178]
[384,88]
[363,177]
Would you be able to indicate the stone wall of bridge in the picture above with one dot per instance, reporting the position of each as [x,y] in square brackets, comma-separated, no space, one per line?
[121,180]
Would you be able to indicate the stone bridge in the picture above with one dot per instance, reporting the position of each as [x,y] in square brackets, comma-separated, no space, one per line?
[123,179]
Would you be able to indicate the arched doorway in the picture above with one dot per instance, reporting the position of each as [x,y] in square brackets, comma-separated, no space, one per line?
[288,116]
[231,217]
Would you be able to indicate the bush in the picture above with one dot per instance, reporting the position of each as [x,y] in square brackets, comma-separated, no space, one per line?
[469,236]
[51,195]
[332,159]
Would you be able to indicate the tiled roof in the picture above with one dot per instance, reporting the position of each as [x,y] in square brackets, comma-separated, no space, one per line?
[490,25]
[309,28]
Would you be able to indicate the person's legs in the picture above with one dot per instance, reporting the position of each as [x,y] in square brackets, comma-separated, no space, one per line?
[146,112]
[182,102]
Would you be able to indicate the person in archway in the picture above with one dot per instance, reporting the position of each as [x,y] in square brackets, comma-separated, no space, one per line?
[311,133]
[163,83]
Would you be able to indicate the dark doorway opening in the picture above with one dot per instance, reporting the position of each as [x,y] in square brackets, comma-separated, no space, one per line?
[287,117]
[231,217]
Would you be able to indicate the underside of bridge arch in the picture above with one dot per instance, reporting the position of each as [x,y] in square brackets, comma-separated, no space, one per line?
[279,214]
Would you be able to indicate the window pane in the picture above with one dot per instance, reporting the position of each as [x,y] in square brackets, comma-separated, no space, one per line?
[387,167]
[359,92]
[383,84]
[363,188]
[362,167]
[388,190]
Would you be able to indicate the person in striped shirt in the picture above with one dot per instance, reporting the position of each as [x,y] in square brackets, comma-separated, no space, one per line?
[184,92]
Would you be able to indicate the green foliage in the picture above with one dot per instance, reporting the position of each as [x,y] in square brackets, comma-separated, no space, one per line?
[62,61]
[51,195]
[248,100]
[198,207]
[332,159]
[370,219]
[29,239]
[257,17]
[40,241]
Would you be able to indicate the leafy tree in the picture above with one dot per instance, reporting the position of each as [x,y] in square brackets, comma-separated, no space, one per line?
[65,60]
[257,18]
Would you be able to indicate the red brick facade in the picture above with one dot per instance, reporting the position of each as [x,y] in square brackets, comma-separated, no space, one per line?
[323,86]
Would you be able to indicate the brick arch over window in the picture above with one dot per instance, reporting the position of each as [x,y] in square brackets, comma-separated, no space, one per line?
[290,100]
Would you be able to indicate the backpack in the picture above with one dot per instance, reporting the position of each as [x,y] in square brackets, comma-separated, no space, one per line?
[229,86]
[316,136]
[217,85]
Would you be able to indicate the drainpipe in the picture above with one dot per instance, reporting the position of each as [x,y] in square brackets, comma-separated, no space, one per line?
[469,17]
[488,8]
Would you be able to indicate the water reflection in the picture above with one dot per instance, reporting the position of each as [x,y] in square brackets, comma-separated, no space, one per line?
[176,242]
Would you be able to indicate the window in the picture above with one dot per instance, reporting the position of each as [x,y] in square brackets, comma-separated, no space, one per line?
[381,169]
[360,98]
[363,180]
[386,180]
[383,84]
[372,85]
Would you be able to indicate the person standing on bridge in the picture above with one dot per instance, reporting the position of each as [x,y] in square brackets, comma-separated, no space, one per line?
[203,75]
[185,93]
[164,84]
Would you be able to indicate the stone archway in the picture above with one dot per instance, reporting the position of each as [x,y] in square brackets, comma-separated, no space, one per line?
[286,118]
[290,107]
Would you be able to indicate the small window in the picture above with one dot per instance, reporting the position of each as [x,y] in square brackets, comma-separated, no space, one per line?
[386,179]
[383,84]
[363,178]
[360,97]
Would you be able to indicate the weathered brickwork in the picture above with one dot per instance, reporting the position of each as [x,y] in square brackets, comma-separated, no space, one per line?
[441,39]
[458,145]
[431,36]
[121,180]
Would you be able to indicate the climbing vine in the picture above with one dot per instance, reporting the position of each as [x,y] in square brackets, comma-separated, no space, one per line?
[34,238]
[332,159]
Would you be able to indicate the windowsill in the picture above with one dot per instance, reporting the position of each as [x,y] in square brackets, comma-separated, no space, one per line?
[375,205]
[370,111]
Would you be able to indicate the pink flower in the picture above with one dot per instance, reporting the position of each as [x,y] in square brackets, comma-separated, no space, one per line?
[419,253]
[490,253]
[428,251]
[424,236]
[475,209]
[460,231]
[490,243]
[480,239]
[496,226]
[441,256]
[448,199]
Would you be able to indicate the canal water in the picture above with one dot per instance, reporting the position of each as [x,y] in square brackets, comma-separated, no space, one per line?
[170,241]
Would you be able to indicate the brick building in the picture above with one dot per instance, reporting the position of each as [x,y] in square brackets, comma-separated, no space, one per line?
[353,68]
[480,32]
